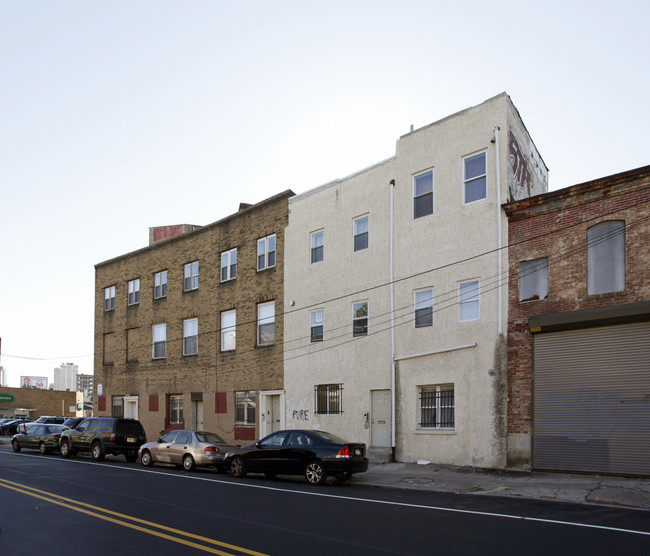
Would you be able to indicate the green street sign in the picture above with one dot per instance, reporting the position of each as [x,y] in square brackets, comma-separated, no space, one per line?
[6,398]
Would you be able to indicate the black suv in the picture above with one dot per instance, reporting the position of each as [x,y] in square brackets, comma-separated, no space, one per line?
[104,435]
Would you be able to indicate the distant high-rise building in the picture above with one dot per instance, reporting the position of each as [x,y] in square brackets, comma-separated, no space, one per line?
[3,377]
[65,377]
[85,384]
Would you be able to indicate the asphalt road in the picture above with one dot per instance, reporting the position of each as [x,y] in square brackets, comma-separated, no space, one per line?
[56,506]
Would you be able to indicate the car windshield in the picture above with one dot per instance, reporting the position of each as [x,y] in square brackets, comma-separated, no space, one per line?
[209,437]
[329,437]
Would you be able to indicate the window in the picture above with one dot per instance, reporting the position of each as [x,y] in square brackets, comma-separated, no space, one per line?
[316,318]
[134,292]
[266,252]
[328,399]
[606,257]
[317,246]
[228,330]
[191,281]
[468,300]
[176,410]
[360,319]
[245,408]
[160,284]
[117,406]
[229,265]
[159,341]
[437,407]
[423,194]
[266,323]
[474,178]
[533,280]
[361,233]
[190,336]
[109,298]
[423,308]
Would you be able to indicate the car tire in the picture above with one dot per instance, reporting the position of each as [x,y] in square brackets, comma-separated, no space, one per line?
[188,463]
[97,451]
[15,446]
[238,467]
[42,448]
[146,458]
[131,458]
[64,449]
[315,473]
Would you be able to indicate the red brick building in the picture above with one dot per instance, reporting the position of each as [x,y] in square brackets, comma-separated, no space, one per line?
[579,327]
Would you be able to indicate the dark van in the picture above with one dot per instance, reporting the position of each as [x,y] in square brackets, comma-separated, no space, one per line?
[104,435]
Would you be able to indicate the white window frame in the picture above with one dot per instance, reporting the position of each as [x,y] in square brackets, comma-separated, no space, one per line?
[356,319]
[361,232]
[229,265]
[421,195]
[246,407]
[176,409]
[266,323]
[316,321]
[228,330]
[435,400]
[133,297]
[191,276]
[109,298]
[606,265]
[191,336]
[533,279]
[159,339]
[160,284]
[317,246]
[469,296]
[422,301]
[266,253]
[473,179]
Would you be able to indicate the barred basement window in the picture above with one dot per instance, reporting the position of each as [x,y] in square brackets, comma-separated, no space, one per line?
[328,399]
[437,409]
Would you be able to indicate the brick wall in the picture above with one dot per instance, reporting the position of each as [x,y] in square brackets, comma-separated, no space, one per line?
[40,402]
[555,225]
[123,337]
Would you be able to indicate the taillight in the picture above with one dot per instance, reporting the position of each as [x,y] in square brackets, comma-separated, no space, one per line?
[344,452]
[211,449]
[56,436]
[113,437]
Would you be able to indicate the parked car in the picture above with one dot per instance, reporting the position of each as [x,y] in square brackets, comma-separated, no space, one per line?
[22,427]
[316,454]
[73,422]
[104,435]
[11,427]
[187,448]
[42,437]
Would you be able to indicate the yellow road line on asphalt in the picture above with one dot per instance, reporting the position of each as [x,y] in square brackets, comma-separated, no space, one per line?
[68,503]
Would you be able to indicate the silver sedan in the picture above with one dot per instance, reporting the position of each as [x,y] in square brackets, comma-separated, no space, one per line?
[187,449]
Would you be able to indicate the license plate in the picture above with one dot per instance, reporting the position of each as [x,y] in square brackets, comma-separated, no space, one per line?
[130,439]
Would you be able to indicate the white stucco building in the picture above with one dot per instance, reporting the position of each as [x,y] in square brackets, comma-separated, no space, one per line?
[395,292]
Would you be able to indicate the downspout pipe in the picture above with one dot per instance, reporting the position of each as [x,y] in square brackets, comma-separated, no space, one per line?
[392,323]
[499,234]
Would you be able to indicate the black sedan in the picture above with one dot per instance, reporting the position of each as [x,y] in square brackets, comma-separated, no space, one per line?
[42,437]
[316,454]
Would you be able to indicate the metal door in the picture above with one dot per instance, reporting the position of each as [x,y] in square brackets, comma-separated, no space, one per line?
[380,419]
[197,415]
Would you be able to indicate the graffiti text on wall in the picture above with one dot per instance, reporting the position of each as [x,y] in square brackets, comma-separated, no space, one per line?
[301,414]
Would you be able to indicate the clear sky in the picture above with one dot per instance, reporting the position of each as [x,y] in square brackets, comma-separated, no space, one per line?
[120,115]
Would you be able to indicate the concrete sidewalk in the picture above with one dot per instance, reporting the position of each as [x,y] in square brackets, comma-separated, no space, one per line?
[590,489]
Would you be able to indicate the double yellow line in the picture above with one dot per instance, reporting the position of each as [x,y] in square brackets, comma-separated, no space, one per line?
[168,533]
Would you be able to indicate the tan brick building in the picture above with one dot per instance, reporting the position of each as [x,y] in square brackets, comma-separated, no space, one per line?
[188,331]
[34,402]
[579,327]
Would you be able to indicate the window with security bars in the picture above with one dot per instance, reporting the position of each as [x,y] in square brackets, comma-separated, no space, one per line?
[437,409]
[328,399]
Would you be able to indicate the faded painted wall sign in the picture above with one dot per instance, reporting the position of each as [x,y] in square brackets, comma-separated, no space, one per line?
[519,168]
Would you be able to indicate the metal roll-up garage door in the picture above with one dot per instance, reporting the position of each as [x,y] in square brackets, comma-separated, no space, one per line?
[592,400]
